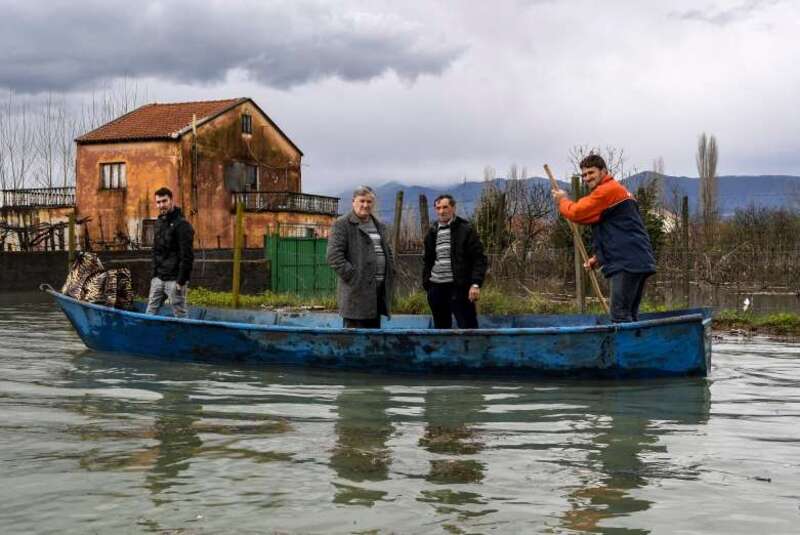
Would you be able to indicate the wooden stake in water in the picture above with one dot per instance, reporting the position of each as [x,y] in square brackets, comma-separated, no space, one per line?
[237,252]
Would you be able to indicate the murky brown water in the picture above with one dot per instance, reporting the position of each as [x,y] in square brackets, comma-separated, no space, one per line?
[97,443]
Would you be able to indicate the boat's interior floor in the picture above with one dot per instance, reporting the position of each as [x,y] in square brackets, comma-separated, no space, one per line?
[398,321]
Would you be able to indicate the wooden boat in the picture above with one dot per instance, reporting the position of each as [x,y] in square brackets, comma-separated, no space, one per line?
[660,344]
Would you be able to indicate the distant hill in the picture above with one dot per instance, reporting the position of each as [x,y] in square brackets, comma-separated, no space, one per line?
[735,192]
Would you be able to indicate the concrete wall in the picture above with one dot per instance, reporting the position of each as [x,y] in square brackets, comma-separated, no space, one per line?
[212,270]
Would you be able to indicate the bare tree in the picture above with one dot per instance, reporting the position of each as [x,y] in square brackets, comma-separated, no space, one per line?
[707,170]
[613,156]
[112,101]
[66,125]
[17,143]
[658,166]
[46,144]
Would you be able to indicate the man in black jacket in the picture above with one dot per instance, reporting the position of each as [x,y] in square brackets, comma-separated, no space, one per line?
[172,256]
[454,268]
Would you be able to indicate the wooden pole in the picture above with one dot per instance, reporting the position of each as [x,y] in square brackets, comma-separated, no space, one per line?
[71,240]
[687,263]
[580,286]
[398,217]
[424,215]
[237,252]
[579,242]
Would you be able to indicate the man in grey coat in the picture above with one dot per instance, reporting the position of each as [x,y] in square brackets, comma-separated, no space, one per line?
[359,253]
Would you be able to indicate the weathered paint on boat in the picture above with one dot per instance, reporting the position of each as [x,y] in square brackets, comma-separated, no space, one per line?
[661,344]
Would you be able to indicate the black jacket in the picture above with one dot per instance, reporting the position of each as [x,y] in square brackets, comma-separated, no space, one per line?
[466,254]
[172,248]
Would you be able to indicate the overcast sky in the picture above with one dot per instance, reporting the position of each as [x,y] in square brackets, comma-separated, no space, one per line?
[426,92]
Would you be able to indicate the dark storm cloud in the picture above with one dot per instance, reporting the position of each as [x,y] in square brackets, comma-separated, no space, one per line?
[58,46]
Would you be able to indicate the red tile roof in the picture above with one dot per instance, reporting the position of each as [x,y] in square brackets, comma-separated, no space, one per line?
[158,121]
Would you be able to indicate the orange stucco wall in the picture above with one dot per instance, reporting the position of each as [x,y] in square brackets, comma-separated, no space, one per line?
[119,213]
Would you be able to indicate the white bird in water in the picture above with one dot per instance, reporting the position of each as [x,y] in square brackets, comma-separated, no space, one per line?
[746,304]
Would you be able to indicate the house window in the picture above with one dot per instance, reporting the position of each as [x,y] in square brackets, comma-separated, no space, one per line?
[148,232]
[250,177]
[247,124]
[113,175]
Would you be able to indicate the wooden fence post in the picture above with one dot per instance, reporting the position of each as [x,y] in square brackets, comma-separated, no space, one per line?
[398,217]
[71,240]
[424,215]
[237,253]
[687,262]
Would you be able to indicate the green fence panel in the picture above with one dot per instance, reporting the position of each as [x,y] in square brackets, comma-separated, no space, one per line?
[298,266]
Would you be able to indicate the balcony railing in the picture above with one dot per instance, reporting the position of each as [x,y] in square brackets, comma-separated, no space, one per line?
[285,201]
[38,197]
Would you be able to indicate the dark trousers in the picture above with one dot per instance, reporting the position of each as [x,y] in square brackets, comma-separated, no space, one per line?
[448,300]
[626,295]
[370,323]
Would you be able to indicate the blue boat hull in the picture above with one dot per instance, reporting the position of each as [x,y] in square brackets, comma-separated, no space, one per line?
[664,344]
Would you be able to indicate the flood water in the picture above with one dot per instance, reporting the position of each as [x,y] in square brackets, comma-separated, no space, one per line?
[100,443]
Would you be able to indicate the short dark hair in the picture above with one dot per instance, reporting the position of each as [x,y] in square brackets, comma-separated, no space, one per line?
[163,192]
[445,196]
[593,160]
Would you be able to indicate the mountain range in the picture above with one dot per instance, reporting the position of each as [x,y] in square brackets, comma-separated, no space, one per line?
[734,192]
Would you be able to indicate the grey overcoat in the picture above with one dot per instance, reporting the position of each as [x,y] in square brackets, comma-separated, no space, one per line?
[352,256]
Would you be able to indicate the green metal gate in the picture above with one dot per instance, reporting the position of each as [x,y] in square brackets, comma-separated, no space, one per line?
[297,265]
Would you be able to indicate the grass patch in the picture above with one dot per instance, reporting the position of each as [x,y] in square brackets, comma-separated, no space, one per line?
[781,323]
[492,301]
[208,298]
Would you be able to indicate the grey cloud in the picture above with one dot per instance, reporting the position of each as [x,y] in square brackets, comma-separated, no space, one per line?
[724,17]
[60,46]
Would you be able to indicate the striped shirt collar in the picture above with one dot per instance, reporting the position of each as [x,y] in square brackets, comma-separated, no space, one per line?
[445,225]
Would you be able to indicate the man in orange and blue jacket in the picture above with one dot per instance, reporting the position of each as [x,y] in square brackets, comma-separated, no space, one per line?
[620,241]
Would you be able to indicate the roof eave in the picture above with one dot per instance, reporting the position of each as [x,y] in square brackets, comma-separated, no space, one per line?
[80,141]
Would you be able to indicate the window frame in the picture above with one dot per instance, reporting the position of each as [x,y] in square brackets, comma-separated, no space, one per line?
[148,233]
[113,176]
[247,124]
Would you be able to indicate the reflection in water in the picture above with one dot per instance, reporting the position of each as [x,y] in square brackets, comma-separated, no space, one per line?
[451,433]
[97,443]
[178,441]
[361,454]
[627,426]
[450,415]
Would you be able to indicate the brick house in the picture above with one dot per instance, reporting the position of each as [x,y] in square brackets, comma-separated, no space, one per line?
[211,154]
